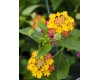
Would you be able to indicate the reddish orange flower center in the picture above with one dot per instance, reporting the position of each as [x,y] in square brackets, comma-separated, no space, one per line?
[48,56]
[51,68]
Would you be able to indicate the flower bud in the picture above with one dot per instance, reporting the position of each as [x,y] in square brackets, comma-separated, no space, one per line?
[57,36]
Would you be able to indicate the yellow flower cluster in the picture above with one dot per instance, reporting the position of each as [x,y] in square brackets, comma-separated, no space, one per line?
[61,22]
[42,66]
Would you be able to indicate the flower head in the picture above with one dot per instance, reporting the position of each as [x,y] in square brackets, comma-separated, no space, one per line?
[61,22]
[36,19]
[42,66]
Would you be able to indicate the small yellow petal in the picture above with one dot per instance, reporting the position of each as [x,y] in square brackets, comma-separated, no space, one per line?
[34,54]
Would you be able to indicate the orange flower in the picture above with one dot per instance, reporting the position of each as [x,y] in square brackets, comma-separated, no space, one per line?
[51,68]
[48,56]
[66,33]
[36,19]
[74,24]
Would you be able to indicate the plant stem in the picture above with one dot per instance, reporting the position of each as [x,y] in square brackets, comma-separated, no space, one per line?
[59,51]
[47,6]
[76,8]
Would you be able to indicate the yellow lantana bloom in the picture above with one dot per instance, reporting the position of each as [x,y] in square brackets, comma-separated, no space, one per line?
[40,67]
[47,73]
[60,22]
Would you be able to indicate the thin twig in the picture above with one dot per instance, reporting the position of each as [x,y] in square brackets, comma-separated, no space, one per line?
[59,51]
[47,6]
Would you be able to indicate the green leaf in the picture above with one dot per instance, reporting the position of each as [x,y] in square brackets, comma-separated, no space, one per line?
[56,3]
[33,15]
[44,50]
[53,75]
[22,66]
[44,78]
[42,26]
[72,42]
[22,18]
[29,9]
[62,64]
[35,1]
[75,33]
[24,62]
[35,35]
[24,31]
[30,32]
[30,22]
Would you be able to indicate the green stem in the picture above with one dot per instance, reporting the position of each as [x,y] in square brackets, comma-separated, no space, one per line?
[47,6]
[61,50]
[76,8]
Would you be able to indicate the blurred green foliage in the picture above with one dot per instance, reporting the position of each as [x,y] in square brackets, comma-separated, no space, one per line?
[27,11]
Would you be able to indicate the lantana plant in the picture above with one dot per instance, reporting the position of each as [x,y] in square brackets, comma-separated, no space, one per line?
[58,30]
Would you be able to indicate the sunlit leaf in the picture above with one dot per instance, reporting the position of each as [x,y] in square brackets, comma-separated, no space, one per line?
[42,26]
[72,42]
[35,35]
[29,9]
[44,50]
